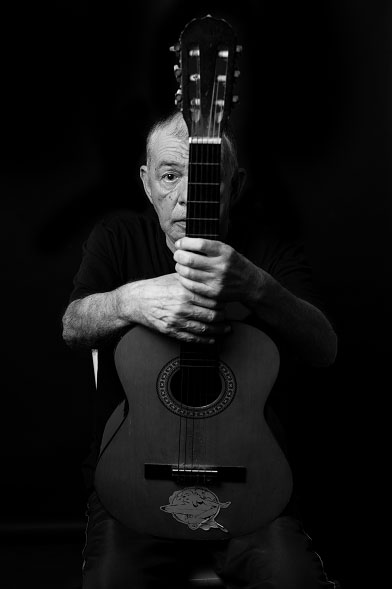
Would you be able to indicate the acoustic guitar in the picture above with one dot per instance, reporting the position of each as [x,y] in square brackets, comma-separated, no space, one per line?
[189,455]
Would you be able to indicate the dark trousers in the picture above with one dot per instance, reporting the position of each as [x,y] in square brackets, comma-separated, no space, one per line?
[278,556]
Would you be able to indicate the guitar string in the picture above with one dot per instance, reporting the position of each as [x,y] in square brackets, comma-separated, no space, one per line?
[214,191]
[210,151]
[214,156]
[203,151]
[186,370]
[198,179]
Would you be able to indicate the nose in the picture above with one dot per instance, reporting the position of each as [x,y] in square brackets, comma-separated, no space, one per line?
[183,192]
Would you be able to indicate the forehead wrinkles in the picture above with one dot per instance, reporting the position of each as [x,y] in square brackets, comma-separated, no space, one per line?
[167,148]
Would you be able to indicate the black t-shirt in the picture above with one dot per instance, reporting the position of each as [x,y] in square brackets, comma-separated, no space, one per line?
[126,246]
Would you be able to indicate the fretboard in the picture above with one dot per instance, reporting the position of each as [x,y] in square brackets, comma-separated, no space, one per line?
[202,220]
[203,202]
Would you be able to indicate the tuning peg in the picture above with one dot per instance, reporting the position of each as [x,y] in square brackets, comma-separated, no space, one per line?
[177,71]
[178,97]
[235,99]
[237,73]
[238,49]
[175,48]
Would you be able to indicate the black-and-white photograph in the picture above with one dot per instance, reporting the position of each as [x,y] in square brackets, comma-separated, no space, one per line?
[196,210]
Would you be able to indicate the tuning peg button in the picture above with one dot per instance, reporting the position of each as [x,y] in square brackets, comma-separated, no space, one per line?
[175,47]
[238,49]
[177,71]
[235,99]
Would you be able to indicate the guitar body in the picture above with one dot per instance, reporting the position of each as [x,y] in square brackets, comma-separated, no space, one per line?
[228,432]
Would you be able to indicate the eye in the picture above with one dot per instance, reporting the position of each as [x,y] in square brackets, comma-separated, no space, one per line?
[170,177]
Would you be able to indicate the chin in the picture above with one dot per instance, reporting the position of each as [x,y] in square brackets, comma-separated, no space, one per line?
[178,232]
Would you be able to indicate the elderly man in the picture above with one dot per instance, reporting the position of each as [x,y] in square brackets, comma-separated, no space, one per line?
[142,269]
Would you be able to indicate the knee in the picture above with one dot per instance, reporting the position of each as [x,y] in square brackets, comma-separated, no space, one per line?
[298,570]
[281,557]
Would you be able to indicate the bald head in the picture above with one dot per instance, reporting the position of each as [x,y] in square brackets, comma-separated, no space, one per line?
[176,123]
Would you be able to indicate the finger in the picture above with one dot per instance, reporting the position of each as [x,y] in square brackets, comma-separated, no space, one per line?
[200,245]
[198,300]
[199,288]
[192,338]
[208,315]
[200,313]
[192,274]
[194,260]
[201,328]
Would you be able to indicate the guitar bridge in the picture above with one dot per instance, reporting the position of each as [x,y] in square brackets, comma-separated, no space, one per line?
[208,475]
[195,476]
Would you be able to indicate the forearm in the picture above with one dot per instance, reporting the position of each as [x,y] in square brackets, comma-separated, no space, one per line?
[302,325]
[99,317]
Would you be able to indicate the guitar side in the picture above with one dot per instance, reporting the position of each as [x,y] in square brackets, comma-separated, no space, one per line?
[235,435]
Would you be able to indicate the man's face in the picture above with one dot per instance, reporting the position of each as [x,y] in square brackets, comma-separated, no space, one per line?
[165,181]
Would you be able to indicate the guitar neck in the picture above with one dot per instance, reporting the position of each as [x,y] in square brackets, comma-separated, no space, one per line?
[202,220]
[203,202]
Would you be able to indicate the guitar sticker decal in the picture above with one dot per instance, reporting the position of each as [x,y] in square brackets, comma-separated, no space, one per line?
[196,507]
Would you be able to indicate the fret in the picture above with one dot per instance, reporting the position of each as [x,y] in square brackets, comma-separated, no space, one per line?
[203,210]
[204,171]
[211,202]
[203,192]
[200,234]
[199,153]
[202,218]
[203,183]
[211,225]
[205,164]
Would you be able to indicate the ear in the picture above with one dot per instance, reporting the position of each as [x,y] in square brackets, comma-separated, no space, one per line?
[146,181]
[237,185]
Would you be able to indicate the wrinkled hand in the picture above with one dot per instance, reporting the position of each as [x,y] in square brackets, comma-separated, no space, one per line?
[215,270]
[166,305]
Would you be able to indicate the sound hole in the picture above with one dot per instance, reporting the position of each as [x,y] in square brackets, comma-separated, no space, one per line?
[196,393]
[196,387]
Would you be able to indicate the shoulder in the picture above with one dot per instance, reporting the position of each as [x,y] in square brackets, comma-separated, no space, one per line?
[265,243]
[128,222]
[281,251]
[120,227]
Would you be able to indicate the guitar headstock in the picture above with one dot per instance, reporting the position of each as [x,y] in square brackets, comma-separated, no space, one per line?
[206,72]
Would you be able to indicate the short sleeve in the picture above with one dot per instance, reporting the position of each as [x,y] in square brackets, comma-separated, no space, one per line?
[99,270]
[292,270]
[285,259]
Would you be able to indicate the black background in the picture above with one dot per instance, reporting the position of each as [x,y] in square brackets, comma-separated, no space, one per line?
[80,85]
